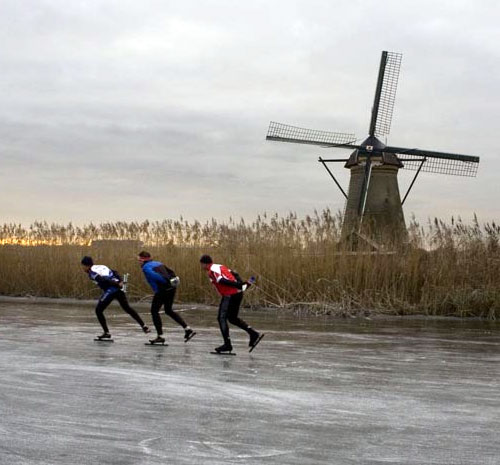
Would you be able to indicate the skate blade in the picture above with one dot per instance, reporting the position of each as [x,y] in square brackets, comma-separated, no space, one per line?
[223,353]
[256,342]
[193,334]
[156,344]
[104,340]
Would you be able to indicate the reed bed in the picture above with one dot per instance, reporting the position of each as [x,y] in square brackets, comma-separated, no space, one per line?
[447,268]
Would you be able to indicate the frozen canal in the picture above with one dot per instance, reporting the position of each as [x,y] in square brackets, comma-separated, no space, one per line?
[314,392]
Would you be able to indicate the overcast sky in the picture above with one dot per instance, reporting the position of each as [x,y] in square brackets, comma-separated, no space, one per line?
[127,110]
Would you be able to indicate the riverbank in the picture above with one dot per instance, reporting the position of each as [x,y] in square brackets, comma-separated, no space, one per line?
[143,307]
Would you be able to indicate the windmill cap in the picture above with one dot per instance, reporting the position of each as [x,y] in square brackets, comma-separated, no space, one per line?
[373,147]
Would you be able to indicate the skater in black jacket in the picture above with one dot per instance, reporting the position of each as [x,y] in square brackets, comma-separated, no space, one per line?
[111,283]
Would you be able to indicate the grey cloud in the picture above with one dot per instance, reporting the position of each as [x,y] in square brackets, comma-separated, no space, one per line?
[165,105]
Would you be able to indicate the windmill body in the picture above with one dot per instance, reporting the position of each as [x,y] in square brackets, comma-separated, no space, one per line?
[374,208]
[373,205]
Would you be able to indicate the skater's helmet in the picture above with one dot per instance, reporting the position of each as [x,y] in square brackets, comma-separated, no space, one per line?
[87,261]
[206,259]
[144,256]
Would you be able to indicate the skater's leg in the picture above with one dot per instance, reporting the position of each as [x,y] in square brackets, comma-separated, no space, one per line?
[155,313]
[122,299]
[222,318]
[102,304]
[233,318]
[233,310]
[168,299]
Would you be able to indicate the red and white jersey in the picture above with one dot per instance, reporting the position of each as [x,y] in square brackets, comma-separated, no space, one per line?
[216,273]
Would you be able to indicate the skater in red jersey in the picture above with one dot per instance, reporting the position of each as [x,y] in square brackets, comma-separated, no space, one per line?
[230,286]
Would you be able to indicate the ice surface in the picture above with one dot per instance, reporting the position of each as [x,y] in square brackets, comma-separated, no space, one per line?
[315,391]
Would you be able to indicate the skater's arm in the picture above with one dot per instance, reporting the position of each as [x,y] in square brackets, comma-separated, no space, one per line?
[163,277]
[227,282]
[164,272]
[107,280]
[238,284]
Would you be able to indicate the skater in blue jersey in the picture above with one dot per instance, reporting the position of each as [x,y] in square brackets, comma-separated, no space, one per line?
[164,283]
[111,283]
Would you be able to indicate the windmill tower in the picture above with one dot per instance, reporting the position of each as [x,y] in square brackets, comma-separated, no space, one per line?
[374,209]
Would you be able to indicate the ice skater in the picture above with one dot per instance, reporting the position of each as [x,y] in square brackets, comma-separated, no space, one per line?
[164,283]
[230,286]
[111,283]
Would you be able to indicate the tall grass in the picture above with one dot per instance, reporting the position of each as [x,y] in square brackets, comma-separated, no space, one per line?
[448,268]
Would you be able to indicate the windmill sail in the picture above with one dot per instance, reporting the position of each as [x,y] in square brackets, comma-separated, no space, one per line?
[385,93]
[286,133]
[365,186]
[436,162]
[383,105]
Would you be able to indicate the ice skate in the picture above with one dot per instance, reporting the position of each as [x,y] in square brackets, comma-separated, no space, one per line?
[104,337]
[158,341]
[189,334]
[224,349]
[255,338]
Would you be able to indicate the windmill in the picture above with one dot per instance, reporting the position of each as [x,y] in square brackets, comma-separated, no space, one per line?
[374,209]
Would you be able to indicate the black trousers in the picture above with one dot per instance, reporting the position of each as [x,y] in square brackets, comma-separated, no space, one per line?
[164,298]
[104,302]
[228,311]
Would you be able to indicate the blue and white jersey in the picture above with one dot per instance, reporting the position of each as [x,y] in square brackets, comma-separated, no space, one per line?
[105,278]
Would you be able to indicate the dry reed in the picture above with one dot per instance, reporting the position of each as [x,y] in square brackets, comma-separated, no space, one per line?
[447,268]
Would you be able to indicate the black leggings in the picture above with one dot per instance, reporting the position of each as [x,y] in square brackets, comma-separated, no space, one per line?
[228,311]
[164,298]
[106,299]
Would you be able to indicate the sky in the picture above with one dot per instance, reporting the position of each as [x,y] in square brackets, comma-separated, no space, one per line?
[126,110]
